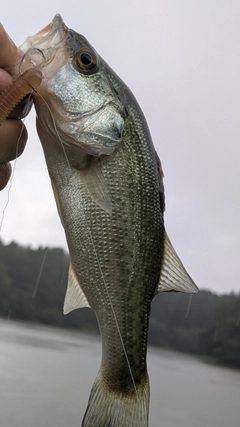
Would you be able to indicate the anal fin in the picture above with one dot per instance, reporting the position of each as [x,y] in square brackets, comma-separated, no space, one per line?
[75,297]
[174,277]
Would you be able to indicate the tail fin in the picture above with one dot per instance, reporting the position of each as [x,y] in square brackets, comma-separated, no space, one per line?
[108,408]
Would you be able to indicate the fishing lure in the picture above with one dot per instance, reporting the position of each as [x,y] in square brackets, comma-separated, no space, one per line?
[13,94]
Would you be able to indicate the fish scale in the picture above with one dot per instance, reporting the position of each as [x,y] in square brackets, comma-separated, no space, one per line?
[147,273]
[108,186]
[120,261]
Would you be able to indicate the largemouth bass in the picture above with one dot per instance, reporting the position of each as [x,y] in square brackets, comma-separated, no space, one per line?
[108,185]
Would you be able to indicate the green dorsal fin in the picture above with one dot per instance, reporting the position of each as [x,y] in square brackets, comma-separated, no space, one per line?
[174,277]
[75,297]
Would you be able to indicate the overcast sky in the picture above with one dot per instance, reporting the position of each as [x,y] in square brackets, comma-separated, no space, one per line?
[181,59]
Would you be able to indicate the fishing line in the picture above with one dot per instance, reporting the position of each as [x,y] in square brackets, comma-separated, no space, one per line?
[188,307]
[238,320]
[112,308]
[17,147]
[94,249]
[55,128]
[40,273]
[215,334]
[12,176]
[95,252]
[66,264]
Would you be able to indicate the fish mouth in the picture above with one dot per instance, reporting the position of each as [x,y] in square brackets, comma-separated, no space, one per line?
[46,50]
[94,144]
[49,35]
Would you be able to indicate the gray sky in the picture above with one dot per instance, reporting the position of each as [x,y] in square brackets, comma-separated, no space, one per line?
[181,59]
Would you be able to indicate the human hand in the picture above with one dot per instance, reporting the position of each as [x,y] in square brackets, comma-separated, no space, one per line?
[13,134]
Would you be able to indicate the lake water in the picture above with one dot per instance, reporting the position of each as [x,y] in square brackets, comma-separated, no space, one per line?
[46,375]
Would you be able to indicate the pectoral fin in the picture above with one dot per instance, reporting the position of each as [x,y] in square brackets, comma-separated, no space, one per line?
[75,297]
[97,188]
[174,277]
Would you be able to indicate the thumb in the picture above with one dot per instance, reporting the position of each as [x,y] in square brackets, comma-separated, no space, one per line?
[5,173]
[13,138]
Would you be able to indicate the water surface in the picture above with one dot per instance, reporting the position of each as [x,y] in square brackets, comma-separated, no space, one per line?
[46,376]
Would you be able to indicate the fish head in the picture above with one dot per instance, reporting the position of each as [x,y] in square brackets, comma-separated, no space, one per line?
[76,101]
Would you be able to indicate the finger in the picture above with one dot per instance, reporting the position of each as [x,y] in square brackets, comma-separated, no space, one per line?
[5,80]
[13,138]
[5,173]
[9,51]
[22,109]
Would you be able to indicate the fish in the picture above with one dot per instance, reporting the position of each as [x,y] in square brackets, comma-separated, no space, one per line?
[107,180]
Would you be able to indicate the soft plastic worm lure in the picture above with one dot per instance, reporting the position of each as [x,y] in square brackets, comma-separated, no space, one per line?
[22,86]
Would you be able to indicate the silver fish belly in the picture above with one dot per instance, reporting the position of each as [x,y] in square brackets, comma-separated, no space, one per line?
[107,182]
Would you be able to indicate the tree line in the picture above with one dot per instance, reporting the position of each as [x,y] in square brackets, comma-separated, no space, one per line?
[33,285]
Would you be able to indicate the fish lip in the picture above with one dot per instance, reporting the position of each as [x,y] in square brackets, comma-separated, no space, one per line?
[95,149]
[41,49]
[93,111]
[110,142]
[51,27]
[89,142]
[47,32]
[57,20]
[54,26]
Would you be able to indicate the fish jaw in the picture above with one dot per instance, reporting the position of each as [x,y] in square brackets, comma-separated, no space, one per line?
[48,37]
[46,50]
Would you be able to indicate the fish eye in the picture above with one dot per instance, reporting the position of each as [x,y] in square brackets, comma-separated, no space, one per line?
[85,62]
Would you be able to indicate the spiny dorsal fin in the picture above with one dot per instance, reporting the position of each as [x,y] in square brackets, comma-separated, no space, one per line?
[160,183]
[173,274]
[75,297]
[97,188]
